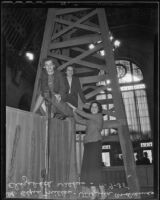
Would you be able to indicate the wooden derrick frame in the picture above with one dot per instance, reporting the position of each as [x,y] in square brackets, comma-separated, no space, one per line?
[60,51]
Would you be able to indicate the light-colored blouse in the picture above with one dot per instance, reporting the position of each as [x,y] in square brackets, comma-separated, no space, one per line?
[70,83]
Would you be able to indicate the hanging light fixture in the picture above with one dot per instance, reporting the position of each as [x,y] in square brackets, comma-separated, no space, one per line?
[108,81]
[29,55]
[102,52]
[111,37]
[91,46]
[99,41]
[117,43]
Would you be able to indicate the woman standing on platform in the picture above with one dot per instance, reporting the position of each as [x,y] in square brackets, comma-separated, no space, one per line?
[73,87]
[91,171]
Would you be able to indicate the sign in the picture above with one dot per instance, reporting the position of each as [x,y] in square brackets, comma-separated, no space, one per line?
[146,144]
[106,147]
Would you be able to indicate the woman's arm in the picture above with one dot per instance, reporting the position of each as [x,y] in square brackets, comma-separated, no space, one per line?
[79,119]
[86,115]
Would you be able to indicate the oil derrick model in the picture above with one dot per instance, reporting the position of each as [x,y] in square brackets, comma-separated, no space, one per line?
[68,32]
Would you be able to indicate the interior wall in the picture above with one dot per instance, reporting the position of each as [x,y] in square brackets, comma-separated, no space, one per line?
[17,89]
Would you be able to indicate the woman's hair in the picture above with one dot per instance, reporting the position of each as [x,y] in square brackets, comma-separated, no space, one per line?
[49,59]
[72,68]
[98,104]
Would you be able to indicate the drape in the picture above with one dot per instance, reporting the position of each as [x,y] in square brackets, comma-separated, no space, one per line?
[137,114]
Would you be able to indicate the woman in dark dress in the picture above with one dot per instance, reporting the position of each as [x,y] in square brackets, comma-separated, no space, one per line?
[73,88]
[91,171]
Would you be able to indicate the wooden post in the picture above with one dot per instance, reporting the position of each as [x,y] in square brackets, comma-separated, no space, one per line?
[44,51]
[123,130]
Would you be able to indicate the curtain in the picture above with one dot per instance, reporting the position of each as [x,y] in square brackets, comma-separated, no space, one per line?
[143,113]
[137,113]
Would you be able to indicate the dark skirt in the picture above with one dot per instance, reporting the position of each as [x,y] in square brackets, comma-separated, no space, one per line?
[91,171]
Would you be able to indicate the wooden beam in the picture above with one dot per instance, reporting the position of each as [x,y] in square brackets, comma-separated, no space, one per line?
[75,41]
[81,56]
[87,22]
[82,50]
[93,79]
[95,92]
[45,44]
[81,70]
[60,56]
[69,10]
[123,130]
[109,113]
[92,13]
[89,87]
[94,87]
[66,51]
[78,69]
[105,101]
[90,65]
[81,26]
[80,62]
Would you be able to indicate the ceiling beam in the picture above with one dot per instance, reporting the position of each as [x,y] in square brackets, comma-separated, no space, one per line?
[93,79]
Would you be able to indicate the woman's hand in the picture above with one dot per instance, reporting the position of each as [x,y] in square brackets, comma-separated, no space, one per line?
[74,109]
[58,97]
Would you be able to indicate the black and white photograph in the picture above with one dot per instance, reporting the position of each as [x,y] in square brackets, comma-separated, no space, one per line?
[80,100]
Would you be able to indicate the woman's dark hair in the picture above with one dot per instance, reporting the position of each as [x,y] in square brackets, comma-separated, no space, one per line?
[72,68]
[98,104]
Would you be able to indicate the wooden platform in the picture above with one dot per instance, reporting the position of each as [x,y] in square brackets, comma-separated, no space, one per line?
[25,145]
[26,153]
[26,142]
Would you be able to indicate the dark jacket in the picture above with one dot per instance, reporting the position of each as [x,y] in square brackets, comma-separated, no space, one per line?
[76,89]
[58,84]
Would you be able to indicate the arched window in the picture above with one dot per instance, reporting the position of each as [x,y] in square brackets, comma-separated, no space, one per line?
[134,97]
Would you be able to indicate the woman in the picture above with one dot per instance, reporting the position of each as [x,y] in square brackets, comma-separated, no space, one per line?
[91,171]
[53,90]
[52,80]
[73,87]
